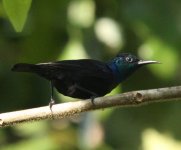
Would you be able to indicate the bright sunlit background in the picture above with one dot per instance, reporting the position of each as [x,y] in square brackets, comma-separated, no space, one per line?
[96,29]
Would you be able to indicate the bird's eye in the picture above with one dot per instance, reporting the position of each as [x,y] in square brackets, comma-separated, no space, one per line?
[129,59]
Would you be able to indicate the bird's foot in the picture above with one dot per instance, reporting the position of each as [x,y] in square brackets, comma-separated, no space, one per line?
[92,100]
[51,103]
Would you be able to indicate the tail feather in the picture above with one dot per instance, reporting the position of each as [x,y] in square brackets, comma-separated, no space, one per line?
[24,67]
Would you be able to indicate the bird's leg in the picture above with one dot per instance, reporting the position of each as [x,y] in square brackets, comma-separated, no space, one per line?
[94,95]
[52,102]
[92,99]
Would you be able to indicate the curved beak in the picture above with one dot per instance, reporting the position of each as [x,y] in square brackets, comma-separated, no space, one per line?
[144,62]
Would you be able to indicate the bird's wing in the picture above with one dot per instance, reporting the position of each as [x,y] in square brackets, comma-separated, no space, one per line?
[83,67]
[81,78]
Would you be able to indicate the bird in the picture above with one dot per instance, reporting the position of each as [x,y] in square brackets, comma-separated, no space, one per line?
[85,78]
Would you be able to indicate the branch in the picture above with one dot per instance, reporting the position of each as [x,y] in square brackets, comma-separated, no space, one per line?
[134,98]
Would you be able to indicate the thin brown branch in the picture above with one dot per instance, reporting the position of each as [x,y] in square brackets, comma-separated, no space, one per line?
[134,98]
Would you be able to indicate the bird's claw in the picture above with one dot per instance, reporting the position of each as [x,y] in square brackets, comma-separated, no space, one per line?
[92,100]
[52,102]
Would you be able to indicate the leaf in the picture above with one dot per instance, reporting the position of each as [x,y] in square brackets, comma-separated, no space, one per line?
[17,11]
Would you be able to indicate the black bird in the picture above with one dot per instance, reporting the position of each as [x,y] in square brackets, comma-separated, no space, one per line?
[85,78]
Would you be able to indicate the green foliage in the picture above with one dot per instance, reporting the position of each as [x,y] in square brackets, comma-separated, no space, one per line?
[17,11]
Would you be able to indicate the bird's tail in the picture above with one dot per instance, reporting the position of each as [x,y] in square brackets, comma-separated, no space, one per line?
[24,67]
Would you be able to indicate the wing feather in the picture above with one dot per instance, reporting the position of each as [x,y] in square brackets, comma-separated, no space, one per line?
[80,68]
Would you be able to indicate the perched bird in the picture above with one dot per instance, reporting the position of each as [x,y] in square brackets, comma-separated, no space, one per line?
[85,78]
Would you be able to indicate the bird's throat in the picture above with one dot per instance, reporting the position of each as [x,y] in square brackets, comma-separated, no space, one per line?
[121,72]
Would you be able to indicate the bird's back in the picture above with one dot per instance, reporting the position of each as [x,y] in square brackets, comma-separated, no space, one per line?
[74,77]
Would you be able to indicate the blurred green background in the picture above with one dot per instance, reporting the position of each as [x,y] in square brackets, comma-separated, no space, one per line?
[97,29]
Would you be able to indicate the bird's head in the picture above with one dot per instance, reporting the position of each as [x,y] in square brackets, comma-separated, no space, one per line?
[125,64]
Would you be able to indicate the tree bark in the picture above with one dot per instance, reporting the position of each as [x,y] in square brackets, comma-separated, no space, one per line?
[133,98]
